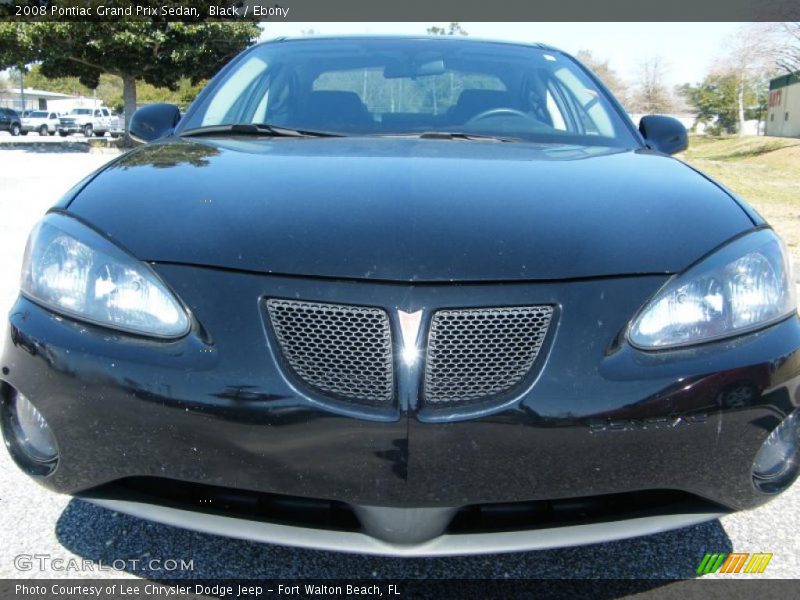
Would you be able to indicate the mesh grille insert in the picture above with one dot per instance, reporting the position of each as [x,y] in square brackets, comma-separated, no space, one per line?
[474,354]
[340,350]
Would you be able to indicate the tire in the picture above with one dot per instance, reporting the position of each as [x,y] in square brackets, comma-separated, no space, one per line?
[43,130]
[63,133]
[87,131]
[99,133]
[23,133]
[53,132]
[15,129]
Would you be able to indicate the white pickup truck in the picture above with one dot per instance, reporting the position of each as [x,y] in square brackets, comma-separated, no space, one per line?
[44,121]
[87,121]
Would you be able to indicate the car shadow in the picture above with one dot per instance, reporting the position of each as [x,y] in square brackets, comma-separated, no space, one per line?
[144,549]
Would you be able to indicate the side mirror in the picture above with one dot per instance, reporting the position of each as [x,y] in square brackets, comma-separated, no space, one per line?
[153,121]
[664,134]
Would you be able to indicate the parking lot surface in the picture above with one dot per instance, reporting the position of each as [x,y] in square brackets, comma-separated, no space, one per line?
[35,521]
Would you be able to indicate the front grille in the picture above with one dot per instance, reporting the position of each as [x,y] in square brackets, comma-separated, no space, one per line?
[477,354]
[342,351]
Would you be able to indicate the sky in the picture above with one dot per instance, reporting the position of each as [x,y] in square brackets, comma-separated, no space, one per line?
[688,49]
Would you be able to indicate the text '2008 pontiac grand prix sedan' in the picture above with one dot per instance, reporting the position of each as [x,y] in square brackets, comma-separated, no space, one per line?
[406,296]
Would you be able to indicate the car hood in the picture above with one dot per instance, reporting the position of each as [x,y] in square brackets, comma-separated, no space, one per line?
[405,209]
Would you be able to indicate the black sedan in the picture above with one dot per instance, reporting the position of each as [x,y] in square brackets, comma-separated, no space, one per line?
[10,121]
[412,296]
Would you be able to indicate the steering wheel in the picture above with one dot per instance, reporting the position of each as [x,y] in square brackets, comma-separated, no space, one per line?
[495,112]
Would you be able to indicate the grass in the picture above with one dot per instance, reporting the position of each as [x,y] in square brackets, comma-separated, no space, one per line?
[765,171]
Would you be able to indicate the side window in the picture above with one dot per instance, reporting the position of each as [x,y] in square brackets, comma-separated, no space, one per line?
[97,113]
[105,112]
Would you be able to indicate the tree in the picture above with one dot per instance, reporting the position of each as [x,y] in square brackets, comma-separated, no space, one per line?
[652,96]
[606,74]
[750,56]
[63,85]
[158,53]
[715,101]
[452,29]
[17,78]
[787,51]
[109,89]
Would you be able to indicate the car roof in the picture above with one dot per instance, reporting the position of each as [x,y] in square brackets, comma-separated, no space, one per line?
[439,38]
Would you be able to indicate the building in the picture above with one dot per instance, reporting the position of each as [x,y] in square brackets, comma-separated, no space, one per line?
[783,114]
[30,99]
[64,105]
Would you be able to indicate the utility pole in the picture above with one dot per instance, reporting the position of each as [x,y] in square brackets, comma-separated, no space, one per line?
[22,88]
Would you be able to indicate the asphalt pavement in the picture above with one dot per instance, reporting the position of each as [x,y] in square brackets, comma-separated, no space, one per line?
[77,539]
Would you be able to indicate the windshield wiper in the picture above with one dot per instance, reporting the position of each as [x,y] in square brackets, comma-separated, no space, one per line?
[258,129]
[453,135]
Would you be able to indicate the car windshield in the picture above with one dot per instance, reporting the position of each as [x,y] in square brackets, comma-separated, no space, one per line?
[412,86]
[81,111]
[38,114]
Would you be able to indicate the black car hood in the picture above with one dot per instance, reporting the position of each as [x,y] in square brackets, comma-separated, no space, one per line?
[409,210]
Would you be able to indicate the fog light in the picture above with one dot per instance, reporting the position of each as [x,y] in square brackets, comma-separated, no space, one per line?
[776,462]
[29,430]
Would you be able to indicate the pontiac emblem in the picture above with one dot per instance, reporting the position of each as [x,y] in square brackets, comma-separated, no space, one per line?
[409,328]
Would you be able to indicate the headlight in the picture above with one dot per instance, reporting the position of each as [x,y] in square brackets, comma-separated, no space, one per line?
[742,287]
[73,270]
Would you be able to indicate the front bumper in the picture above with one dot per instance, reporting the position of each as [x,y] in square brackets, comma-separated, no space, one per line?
[446,544]
[215,409]
[69,129]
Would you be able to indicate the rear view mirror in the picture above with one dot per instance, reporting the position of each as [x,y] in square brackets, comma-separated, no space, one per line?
[153,121]
[414,70]
[664,134]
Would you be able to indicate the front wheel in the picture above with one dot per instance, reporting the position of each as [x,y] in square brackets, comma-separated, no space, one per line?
[63,133]
[23,133]
[15,129]
[53,132]
[87,131]
[43,130]
[99,133]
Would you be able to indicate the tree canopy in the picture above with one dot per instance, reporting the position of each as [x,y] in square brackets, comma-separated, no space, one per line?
[161,54]
[453,28]
[716,101]
[652,96]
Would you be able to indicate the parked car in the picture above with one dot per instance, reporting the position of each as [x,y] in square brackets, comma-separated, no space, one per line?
[410,296]
[10,121]
[45,122]
[87,121]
